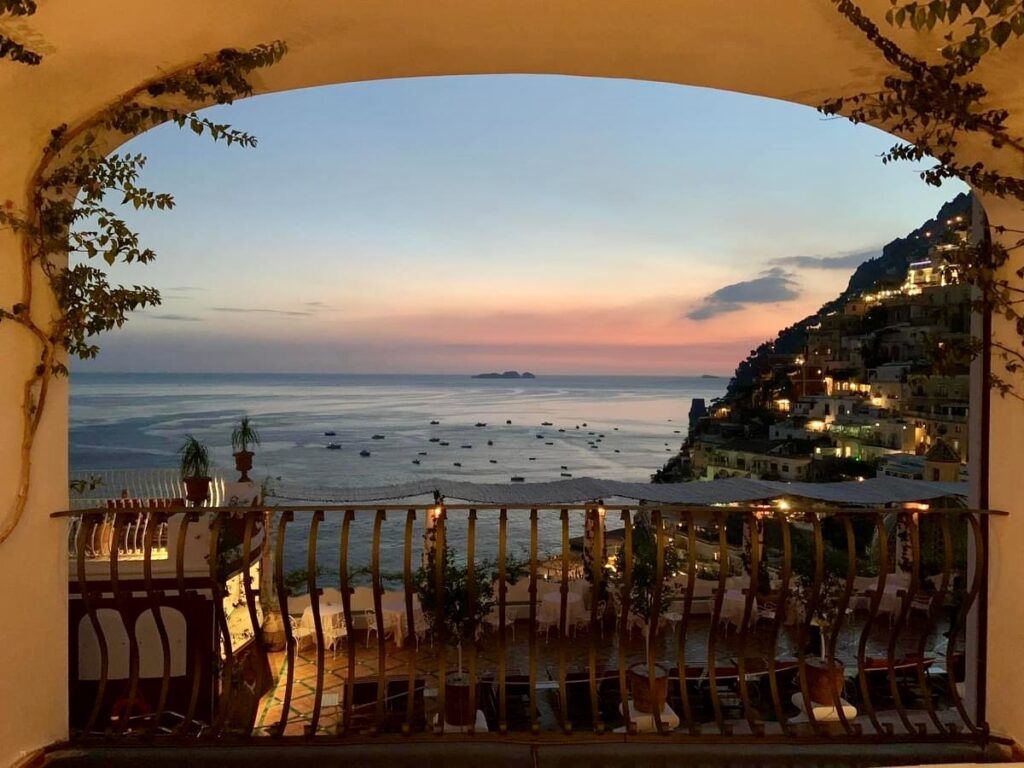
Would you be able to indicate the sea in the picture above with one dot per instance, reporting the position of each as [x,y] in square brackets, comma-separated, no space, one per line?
[611,427]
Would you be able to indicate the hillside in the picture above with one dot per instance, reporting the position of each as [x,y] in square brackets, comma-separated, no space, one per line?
[890,265]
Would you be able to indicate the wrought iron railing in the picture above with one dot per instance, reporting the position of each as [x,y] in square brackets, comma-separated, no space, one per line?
[761,622]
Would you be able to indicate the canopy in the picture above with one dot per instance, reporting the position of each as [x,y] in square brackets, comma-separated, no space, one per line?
[869,492]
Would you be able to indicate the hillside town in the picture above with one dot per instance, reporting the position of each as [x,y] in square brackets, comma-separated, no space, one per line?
[854,392]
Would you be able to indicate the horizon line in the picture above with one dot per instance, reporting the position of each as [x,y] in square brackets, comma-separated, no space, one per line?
[406,373]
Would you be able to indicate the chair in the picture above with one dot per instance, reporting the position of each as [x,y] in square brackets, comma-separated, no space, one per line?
[602,610]
[335,631]
[766,611]
[922,603]
[299,632]
[422,627]
[372,627]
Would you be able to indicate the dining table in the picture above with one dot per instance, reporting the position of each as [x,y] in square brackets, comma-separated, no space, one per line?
[551,608]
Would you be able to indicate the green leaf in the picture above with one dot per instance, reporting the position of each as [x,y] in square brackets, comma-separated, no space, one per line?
[1001,33]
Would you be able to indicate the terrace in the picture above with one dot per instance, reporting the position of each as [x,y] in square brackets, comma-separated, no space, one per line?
[550,657]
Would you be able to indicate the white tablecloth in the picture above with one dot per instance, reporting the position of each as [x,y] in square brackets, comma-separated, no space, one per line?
[392,608]
[733,603]
[551,608]
[330,613]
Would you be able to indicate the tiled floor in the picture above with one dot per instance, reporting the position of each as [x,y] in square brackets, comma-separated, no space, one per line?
[423,663]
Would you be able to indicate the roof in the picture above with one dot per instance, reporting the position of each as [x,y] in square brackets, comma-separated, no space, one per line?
[943,452]
[869,492]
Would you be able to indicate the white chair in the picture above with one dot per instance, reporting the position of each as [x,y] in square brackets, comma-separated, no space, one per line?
[422,626]
[335,631]
[372,627]
[547,620]
[299,632]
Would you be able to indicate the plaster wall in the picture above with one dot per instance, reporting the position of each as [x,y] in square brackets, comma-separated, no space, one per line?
[797,50]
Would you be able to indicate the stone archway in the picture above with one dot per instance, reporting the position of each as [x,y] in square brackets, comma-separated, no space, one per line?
[798,51]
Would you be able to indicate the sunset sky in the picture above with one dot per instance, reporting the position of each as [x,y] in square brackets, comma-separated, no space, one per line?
[463,224]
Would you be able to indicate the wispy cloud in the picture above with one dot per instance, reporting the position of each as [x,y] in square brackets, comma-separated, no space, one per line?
[772,286]
[256,310]
[177,318]
[850,260]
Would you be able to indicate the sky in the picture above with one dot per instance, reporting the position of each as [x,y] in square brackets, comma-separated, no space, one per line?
[465,224]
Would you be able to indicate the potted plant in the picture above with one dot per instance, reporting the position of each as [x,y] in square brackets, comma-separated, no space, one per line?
[642,604]
[242,437]
[824,680]
[195,470]
[454,622]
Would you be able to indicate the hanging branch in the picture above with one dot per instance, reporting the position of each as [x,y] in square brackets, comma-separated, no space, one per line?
[69,214]
[936,104]
[9,47]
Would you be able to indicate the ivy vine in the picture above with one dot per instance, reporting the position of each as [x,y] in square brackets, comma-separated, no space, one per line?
[10,48]
[938,105]
[72,211]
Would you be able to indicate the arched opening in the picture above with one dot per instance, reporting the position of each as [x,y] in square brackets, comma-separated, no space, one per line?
[808,60]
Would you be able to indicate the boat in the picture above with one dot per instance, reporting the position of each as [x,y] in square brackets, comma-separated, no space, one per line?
[548,443]
[415,461]
[545,424]
[494,461]
[435,439]
[540,437]
[561,430]
[517,479]
[564,466]
[490,442]
[434,423]
[334,446]
[508,421]
[445,442]
[616,450]
[467,445]
[378,437]
[423,453]
[330,434]
[364,452]
[457,464]
[533,458]
[480,424]
[567,474]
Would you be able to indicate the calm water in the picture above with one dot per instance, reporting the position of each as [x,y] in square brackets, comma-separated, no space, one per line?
[121,421]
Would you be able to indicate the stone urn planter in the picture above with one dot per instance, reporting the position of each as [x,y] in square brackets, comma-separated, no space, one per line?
[456,700]
[645,698]
[243,463]
[197,489]
[825,681]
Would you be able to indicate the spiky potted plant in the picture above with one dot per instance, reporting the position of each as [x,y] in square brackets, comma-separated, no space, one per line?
[244,436]
[195,470]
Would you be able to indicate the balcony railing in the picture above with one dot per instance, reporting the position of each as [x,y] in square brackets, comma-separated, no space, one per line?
[745,615]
